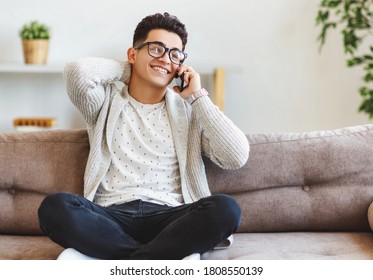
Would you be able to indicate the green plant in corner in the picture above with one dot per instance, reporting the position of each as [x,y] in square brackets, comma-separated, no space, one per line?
[355,18]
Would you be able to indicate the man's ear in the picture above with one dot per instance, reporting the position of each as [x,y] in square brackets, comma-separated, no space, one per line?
[131,55]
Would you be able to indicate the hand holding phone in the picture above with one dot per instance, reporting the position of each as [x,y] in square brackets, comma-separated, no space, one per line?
[187,83]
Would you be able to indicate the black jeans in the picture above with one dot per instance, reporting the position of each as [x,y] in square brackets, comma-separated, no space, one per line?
[138,229]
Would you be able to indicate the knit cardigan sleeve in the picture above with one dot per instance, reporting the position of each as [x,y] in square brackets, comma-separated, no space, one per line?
[222,141]
[86,82]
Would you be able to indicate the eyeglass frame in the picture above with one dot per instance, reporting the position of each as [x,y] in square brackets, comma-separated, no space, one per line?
[166,50]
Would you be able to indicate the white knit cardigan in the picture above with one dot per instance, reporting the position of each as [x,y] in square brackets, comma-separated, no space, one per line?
[200,128]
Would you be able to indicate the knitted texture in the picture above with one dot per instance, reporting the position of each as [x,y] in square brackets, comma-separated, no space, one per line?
[197,129]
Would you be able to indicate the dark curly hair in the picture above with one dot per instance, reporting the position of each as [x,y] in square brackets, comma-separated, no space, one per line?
[159,21]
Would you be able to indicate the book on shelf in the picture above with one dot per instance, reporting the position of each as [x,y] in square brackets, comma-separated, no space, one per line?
[34,124]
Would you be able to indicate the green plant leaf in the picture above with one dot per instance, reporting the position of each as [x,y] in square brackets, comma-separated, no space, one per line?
[330,3]
[368,77]
[355,61]
[34,30]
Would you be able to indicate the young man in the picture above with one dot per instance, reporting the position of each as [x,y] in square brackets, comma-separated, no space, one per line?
[145,187]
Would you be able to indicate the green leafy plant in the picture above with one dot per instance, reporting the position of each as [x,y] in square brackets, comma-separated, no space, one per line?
[34,30]
[355,20]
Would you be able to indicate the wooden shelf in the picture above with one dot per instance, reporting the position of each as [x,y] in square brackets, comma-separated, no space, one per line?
[22,68]
[31,68]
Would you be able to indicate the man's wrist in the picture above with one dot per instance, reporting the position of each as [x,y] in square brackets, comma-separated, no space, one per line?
[195,95]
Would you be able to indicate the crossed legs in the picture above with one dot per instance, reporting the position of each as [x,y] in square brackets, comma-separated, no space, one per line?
[138,229]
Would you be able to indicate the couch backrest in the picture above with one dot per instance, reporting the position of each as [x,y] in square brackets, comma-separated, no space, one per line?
[316,181]
[32,165]
[291,182]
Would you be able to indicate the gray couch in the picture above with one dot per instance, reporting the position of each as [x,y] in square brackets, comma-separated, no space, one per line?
[303,195]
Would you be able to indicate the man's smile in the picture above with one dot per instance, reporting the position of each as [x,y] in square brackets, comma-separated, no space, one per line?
[161,70]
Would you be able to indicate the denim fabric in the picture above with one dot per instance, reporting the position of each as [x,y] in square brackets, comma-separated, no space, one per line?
[138,229]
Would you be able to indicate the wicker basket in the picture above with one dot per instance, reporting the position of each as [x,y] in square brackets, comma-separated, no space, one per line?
[35,51]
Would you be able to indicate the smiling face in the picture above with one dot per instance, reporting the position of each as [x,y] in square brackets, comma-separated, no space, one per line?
[154,72]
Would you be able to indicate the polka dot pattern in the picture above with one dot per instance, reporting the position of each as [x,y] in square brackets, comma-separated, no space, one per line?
[144,163]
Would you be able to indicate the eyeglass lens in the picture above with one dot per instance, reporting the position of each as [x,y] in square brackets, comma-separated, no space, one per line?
[157,50]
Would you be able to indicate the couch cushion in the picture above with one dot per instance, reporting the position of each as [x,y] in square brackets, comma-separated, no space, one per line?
[298,246]
[321,180]
[34,164]
[28,248]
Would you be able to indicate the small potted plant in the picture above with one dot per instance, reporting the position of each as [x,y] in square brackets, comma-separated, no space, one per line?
[35,42]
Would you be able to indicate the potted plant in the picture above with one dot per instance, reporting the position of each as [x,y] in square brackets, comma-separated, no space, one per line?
[355,21]
[35,42]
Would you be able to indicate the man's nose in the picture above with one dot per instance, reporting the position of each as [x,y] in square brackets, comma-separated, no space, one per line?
[165,57]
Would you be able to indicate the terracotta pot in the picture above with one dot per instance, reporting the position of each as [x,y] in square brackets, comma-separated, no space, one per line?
[35,51]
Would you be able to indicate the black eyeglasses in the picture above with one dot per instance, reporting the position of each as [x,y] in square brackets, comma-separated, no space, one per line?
[158,49]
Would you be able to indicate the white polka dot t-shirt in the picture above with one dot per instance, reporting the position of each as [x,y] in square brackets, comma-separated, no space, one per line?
[144,163]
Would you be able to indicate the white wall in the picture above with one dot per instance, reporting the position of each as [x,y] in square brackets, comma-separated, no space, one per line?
[277,81]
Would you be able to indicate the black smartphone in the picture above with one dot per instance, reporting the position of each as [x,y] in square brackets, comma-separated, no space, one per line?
[179,80]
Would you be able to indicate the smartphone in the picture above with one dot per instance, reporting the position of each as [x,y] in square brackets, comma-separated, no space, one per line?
[179,80]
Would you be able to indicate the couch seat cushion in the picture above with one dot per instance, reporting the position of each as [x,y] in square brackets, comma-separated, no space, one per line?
[298,246]
[17,247]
